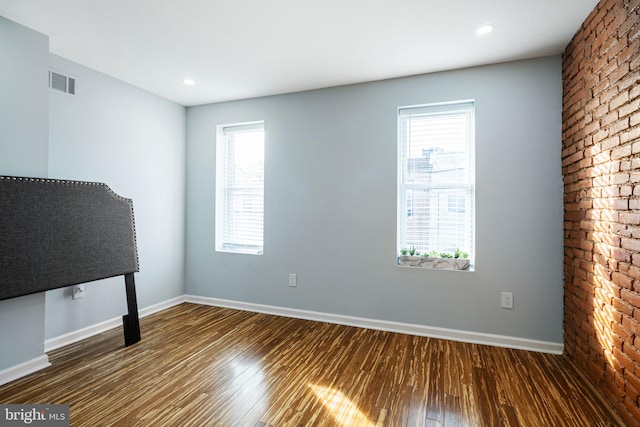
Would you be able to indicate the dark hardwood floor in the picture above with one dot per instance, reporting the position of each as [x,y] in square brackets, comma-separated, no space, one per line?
[206,366]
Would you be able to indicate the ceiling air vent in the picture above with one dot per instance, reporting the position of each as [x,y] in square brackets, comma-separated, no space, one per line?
[61,83]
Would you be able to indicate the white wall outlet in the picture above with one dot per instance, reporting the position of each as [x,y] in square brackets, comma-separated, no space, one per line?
[293,280]
[79,290]
[507,300]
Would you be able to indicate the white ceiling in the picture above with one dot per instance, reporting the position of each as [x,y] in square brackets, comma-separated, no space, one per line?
[237,49]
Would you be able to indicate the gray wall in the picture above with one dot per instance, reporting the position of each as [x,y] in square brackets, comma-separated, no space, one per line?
[23,151]
[330,195]
[110,132]
[134,142]
[330,202]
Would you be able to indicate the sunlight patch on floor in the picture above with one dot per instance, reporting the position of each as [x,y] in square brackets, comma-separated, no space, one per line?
[342,409]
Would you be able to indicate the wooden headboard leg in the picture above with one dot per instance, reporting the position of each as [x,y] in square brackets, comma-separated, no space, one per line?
[130,321]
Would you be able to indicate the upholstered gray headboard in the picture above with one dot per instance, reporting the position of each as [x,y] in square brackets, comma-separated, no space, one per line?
[57,233]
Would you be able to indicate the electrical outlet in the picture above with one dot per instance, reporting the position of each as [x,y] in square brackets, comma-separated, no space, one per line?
[79,290]
[293,280]
[507,300]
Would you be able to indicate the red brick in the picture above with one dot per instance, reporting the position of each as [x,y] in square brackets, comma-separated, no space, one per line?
[634,272]
[631,324]
[629,218]
[631,135]
[634,412]
[619,100]
[635,63]
[629,80]
[622,306]
[622,177]
[629,23]
[632,395]
[578,155]
[601,134]
[600,88]
[622,280]
[632,244]
[624,151]
[629,108]
[616,17]
[608,95]
[603,157]
[612,65]
[619,73]
[614,388]
[601,122]
[619,329]
[631,297]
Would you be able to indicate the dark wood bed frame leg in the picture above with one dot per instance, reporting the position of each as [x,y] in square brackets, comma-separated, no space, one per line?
[130,321]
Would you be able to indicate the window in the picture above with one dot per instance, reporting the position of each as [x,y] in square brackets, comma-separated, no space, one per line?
[436,178]
[240,188]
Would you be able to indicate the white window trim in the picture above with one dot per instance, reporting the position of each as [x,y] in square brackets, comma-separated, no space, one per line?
[435,108]
[220,244]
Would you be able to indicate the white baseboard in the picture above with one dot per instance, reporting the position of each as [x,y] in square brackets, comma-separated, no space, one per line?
[42,362]
[144,312]
[385,325]
[24,369]
[89,331]
[80,334]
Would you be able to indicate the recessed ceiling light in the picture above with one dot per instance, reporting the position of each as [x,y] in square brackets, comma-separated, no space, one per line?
[189,82]
[485,29]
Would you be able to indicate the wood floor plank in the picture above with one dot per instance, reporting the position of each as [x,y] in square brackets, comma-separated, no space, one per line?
[208,366]
[435,387]
[452,411]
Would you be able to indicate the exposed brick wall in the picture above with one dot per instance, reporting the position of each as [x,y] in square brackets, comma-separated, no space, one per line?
[601,168]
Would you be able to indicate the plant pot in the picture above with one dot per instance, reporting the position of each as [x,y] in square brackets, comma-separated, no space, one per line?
[434,262]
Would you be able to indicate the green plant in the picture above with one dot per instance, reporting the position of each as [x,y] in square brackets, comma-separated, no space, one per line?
[460,254]
[434,253]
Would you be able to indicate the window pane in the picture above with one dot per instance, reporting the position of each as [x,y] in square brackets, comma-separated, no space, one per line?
[437,149]
[435,178]
[240,187]
[438,219]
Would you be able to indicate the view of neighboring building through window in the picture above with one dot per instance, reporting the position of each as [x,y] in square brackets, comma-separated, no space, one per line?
[240,188]
[436,178]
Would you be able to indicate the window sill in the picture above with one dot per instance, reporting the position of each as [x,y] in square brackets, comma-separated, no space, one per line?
[238,251]
[459,264]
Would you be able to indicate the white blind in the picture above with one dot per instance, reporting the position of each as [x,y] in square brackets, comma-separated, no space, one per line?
[436,178]
[240,186]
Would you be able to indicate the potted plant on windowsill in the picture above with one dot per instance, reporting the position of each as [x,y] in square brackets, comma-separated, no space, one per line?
[439,260]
